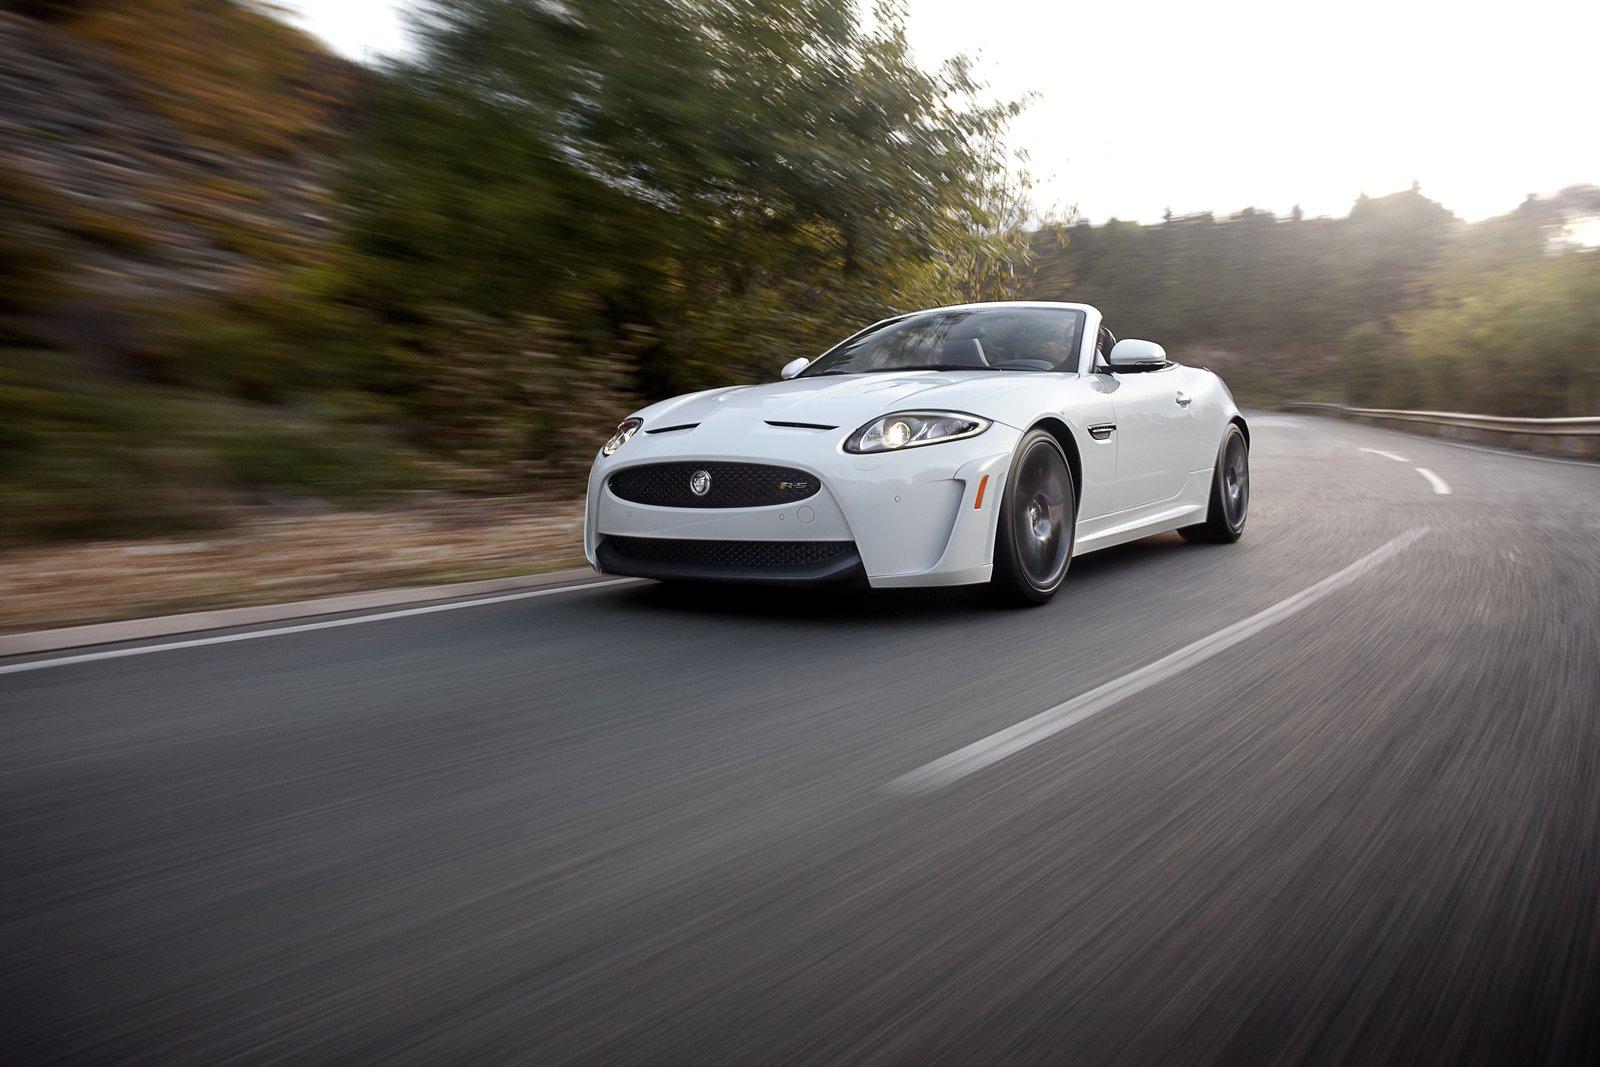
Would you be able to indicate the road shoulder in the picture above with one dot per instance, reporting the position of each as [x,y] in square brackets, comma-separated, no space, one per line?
[52,640]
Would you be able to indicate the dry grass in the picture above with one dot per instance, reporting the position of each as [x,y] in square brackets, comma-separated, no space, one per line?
[281,559]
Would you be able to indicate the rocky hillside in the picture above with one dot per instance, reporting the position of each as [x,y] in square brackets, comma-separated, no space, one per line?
[165,167]
[159,149]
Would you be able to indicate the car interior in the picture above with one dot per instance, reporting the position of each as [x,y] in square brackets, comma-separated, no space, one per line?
[964,350]
[970,344]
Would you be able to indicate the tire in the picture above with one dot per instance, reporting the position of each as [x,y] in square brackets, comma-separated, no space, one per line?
[1230,493]
[1038,518]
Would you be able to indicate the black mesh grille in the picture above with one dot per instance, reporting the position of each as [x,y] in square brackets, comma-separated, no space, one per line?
[753,554]
[732,485]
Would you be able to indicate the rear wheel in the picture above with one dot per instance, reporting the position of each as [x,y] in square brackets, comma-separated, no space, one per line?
[1230,492]
[1038,516]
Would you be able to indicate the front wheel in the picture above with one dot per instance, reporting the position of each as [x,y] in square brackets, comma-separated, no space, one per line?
[1230,492]
[1038,516]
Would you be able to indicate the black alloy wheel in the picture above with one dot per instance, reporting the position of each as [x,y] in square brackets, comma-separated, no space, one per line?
[1230,492]
[1037,521]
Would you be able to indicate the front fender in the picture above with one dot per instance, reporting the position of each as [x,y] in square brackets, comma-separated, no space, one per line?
[1216,410]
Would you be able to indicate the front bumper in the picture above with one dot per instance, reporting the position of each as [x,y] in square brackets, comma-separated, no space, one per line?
[914,517]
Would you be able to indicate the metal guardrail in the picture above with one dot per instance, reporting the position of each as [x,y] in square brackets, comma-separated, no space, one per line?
[1575,427]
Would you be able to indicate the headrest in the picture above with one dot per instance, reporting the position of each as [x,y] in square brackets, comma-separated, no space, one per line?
[966,330]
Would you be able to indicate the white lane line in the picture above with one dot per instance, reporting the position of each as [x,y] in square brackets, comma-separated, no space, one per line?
[1013,739]
[300,628]
[1440,486]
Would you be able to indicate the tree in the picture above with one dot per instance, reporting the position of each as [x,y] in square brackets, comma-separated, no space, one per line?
[1511,321]
[739,178]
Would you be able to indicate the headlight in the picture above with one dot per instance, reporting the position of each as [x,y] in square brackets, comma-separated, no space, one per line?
[912,429]
[625,431]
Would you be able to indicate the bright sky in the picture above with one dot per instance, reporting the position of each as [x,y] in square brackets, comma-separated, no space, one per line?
[1229,104]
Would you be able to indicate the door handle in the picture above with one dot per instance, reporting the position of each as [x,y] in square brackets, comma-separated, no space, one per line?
[1182,399]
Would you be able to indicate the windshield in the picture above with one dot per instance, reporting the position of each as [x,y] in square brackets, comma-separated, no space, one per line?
[996,338]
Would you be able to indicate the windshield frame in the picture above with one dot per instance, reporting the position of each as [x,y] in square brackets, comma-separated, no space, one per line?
[820,366]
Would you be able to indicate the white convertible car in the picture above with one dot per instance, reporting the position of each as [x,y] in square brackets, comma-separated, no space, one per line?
[976,443]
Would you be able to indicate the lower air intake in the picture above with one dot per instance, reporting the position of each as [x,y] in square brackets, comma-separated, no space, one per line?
[731,553]
[753,561]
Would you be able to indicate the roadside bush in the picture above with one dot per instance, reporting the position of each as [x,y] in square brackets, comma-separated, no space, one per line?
[101,457]
[514,405]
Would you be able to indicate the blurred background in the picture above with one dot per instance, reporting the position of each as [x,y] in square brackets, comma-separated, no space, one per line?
[299,298]
[341,295]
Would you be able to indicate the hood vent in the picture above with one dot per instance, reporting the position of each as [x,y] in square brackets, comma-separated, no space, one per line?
[669,429]
[802,425]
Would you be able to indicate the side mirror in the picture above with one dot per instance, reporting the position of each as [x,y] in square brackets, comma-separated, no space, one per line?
[1134,354]
[794,366]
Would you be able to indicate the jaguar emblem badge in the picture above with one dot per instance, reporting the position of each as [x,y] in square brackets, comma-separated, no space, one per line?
[700,483]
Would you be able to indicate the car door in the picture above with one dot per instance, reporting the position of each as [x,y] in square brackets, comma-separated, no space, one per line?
[1155,436]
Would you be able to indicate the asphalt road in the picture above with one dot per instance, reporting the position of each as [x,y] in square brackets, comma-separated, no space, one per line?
[628,824]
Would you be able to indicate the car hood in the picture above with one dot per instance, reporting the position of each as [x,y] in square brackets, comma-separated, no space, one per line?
[846,401]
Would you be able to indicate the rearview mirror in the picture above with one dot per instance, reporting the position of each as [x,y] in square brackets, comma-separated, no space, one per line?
[794,366]
[1134,354]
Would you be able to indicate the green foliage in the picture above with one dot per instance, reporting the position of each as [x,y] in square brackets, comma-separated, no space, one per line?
[734,178]
[1512,326]
[1251,283]
[512,404]
[109,457]
[273,343]
[1368,364]
[1397,305]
